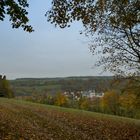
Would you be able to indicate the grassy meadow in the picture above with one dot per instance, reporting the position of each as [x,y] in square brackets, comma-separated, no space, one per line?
[21,120]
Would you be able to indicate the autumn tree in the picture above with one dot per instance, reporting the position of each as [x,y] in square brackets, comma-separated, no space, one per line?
[17,13]
[84,103]
[130,98]
[127,103]
[110,102]
[60,99]
[114,27]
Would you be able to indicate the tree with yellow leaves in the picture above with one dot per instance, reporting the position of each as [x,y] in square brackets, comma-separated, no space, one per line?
[127,103]
[110,102]
[60,99]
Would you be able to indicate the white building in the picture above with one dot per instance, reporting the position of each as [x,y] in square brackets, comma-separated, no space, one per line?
[92,93]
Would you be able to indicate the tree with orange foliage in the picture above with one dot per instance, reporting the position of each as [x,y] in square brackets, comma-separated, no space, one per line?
[60,99]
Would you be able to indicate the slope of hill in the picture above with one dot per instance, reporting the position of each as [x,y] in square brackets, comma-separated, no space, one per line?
[24,120]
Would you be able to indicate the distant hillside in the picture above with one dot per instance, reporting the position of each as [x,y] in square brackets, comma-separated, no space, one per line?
[67,78]
[28,86]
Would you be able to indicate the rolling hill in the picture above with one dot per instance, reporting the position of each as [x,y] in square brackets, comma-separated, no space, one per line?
[20,120]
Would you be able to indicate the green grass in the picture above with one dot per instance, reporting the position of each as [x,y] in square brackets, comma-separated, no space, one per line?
[26,120]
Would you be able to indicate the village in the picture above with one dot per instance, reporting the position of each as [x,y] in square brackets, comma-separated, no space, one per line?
[81,94]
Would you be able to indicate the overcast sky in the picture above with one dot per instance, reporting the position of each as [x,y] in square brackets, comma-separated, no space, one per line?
[47,52]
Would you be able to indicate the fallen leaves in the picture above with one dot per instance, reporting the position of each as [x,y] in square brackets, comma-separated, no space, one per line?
[28,121]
